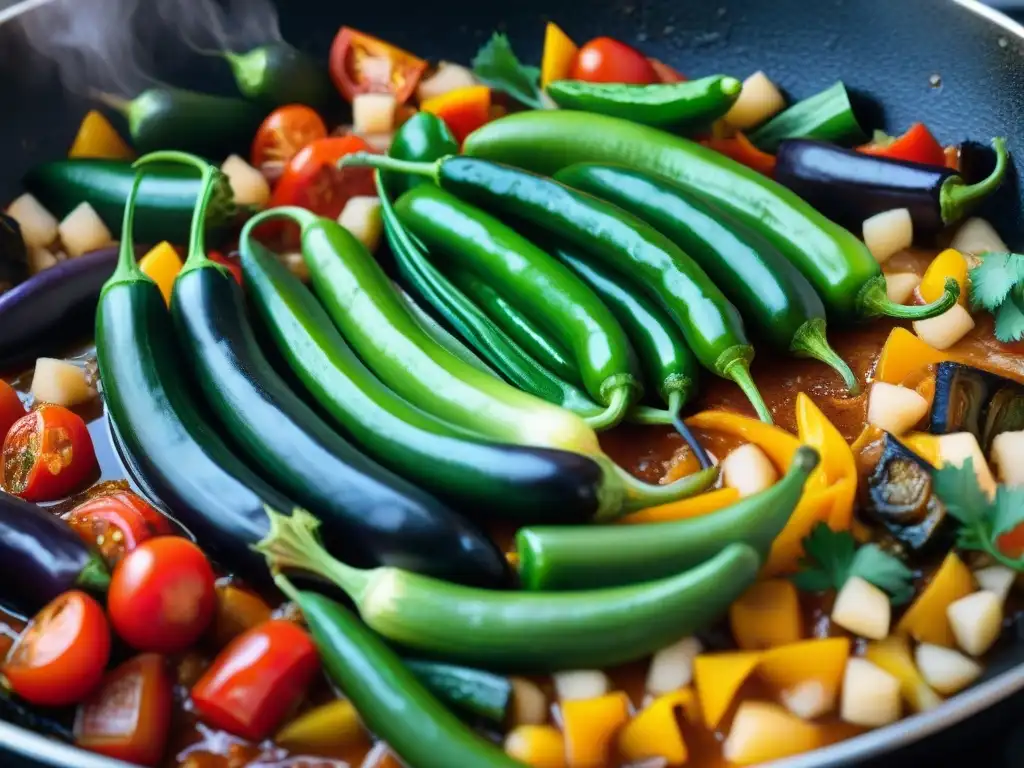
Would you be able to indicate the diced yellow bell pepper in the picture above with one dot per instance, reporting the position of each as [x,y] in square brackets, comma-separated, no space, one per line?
[538,746]
[762,732]
[590,727]
[778,444]
[766,615]
[925,620]
[331,726]
[814,507]
[718,677]
[893,655]
[905,354]
[655,732]
[821,661]
[97,138]
[559,55]
[924,445]
[695,506]
[162,265]
[837,461]
[948,264]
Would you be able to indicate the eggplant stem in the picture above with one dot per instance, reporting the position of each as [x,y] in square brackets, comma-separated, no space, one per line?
[873,301]
[739,371]
[956,197]
[641,495]
[675,408]
[614,412]
[810,341]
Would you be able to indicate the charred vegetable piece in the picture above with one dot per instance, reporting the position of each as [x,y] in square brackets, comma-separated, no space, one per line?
[971,400]
[13,254]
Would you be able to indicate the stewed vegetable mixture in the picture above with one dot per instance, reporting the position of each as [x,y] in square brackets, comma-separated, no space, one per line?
[573,416]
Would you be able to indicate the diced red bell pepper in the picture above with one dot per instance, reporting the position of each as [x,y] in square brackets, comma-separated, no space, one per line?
[917,145]
[740,149]
[463,110]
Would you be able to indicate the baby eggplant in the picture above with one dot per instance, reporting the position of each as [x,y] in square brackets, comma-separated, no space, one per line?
[971,400]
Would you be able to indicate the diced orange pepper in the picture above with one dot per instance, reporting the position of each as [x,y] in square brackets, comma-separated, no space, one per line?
[820,661]
[718,677]
[762,732]
[742,150]
[766,615]
[695,506]
[905,354]
[925,620]
[162,264]
[590,727]
[97,138]
[948,264]
[837,461]
[655,732]
[559,54]
[463,110]
[538,746]
[893,655]
[814,507]
[924,445]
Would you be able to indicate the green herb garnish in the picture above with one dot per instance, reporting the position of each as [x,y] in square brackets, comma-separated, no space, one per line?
[833,557]
[497,66]
[997,285]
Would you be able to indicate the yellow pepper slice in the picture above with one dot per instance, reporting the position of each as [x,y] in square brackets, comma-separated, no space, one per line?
[905,354]
[718,677]
[590,727]
[948,264]
[331,726]
[925,620]
[559,54]
[97,138]
[924,445]
[655,732]
[893,655]
[837,461]
[162,265]
[766,615]
[695,506]
[538,746]
[820,661]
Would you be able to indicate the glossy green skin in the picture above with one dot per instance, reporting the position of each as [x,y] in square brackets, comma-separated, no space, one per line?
[391,700]
[696,102]
[546,291]
[771,294]
[836,262]
[520,328]
[712,326]
[669,365]
[423,137]
[277,74]
[562,558]
[473,691]
[827,116]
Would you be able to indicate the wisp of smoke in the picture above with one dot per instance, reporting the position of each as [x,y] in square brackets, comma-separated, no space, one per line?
[207,26]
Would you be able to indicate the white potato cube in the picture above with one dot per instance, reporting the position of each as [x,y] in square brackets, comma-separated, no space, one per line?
[900,286]
[38,225]
[672,667]
[945,330]
[83,230]
[977,236]
[997,579]
[945,670]
[887,233]
[895,409]
[957,447]
[1008,456]
[862,608]
[449,77]
[580,684]
[808,699]
[871,696]
[361,216]
[249,186]
[748,470]
[758,101]
[976,621]
[61,383]
[40,259]
[374,113]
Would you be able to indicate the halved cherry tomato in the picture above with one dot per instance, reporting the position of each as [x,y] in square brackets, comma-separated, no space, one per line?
[361,63]
[11,408]
[231,263]
[257,679]
[60,657]
[666,73]
[117,523]
[285,131]
[48,454]
[606,60]
[129,716]
[313,180]
[917,145]
[161,596]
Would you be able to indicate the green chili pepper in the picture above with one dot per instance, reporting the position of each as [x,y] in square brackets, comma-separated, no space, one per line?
[712,326]
[546,291]
[440,334]
[771,294]
[422,137]
[276,74]
[692,103]
[391,700]
[526,631]
[837,263]
[827,116]
[564,558]
[474,692]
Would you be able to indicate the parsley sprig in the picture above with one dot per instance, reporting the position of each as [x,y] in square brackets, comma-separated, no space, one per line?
[997,285]
[982,520]
[832,558]
[497,66]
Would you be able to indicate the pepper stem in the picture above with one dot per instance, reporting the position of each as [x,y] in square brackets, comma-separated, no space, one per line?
[385,163]
[873,301]
[956,198]
[640,495]
[810,341]
[739,371]
[675,407]
[127,269]
[94,576]
[615,411]
[292,543]
[300,216]
[644,414]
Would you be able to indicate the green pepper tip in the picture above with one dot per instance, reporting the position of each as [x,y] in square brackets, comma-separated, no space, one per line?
[805,459]
[956,197]
[730,86]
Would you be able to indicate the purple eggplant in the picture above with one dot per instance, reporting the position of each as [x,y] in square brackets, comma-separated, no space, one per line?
[13,253]
[41,557]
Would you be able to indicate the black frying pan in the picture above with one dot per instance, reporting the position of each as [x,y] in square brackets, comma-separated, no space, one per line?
[950,63]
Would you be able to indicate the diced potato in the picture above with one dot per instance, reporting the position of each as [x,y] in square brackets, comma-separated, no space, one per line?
[894,408]
[40,259]
[925,620]
[976,621]
[748,470]
[83,230]
[361,216]
[379,142]
[807,700]
[1008,456]
[956,448]
[758,101]
[248,185]
[947,329]
[997,579]
[862,608]
[762,732]
[529,704]
[888,233]
[38,225]
[538,746]
[893,655]
[900,286]
[766,615]
[807,675]
[577,684]
[373,112]
[449,77]
[672,667]
[977,236]
[871,696]
[946,670]
[61,383]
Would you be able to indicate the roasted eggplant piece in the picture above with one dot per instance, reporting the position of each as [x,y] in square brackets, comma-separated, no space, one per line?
[899,495]
[971,400]
[13,254]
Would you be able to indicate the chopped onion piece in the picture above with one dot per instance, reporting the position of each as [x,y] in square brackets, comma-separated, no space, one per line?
[957,447]
[762,732]
[894,408]
[871,696]
[38,225]
[947,329]
[83,230]
[862,608]
[748,470]
[530,705]
[888,233]
[900,286]
[977,236]
[449,77]
[807,700]
[672,667]
[580,684]
[759,100]
[249,186]
[976,621]
[1008,456]
[373,113]
[361,216]
[60,383]
[997,579]
[945,670]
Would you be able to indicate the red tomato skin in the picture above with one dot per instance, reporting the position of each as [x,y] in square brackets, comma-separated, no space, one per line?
[133,518]
[666,73]
[11,408]
[53,428]
[72,635]
[257,679]
[405,69]
[139,693]
[161,596]
[607,60]
[284,132]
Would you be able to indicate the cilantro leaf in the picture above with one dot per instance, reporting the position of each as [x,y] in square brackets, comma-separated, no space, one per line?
[1010,320]
[994,278]
[958,489]
[884,571]
[496,65]
[1008,509]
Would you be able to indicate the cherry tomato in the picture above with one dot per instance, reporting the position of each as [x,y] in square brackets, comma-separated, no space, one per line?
[285,131]
[60,657]
[231,263]
[116,523]
[255,681]
[11,408]
[606,60]
[129,716]
[361,63]
[666,73]
[161,596]
[48,454]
